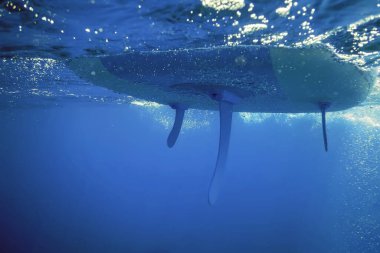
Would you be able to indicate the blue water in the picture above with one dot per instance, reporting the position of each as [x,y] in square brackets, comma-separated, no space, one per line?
[83,169]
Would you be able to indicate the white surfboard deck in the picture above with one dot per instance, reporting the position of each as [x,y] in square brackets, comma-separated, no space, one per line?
[267,79]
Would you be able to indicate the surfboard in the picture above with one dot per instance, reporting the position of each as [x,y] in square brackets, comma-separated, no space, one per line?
[233,79]
[267,79]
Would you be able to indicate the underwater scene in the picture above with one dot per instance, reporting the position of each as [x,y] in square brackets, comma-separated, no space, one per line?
[181,126]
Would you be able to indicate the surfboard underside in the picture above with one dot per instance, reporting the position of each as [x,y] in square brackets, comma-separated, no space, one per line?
[228,79]
[279,80]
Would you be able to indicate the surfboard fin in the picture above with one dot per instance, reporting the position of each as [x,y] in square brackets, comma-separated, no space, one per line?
[226,102]
[174,133]
[323,107]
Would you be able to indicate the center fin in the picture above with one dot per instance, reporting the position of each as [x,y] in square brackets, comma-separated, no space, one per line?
[225,112]
[174,133]
[226,102]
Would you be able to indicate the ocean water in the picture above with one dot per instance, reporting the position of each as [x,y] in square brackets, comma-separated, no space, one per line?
[84,169]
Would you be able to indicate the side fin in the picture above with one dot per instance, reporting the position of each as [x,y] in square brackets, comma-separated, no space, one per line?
[174,133]
[323,107]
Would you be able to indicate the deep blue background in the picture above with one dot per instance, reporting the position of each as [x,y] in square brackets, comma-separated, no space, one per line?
[91,178]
